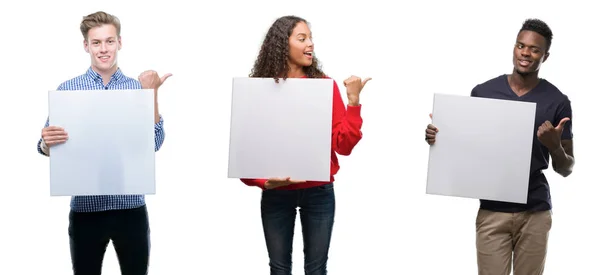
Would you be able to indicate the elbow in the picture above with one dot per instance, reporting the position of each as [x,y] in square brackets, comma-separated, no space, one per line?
[345,147]
[159,139]
[564,172]
[157,147]
[343,152]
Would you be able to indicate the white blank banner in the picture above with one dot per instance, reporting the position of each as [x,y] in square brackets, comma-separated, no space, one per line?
[281,129]
[110,150]
[483,148]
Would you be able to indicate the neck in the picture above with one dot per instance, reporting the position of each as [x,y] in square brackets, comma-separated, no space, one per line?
[295,71]
[106,74]
[523,81]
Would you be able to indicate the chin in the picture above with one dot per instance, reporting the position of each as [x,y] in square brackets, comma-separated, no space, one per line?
[104,66]
[523,72]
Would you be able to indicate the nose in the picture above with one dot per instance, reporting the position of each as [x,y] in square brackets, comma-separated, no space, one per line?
[310,42]
[525,51]
[103,47]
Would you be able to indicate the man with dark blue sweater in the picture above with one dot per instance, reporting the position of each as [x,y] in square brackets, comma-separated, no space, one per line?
[510,232]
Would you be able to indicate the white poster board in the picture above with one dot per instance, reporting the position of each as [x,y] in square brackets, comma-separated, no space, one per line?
[281,129]
[110,150]
[483,148]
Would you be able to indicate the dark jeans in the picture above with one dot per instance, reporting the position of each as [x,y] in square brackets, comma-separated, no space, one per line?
[90,233]
[317,211]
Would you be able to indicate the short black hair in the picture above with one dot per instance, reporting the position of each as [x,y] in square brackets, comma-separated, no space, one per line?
[540,27]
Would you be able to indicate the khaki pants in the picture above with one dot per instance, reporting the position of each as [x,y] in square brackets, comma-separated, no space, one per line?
[504,238]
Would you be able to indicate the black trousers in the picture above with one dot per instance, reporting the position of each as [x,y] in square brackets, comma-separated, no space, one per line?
[90,233]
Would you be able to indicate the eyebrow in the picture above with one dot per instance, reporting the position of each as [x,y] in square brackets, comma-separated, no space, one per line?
[104,39]
[531,46]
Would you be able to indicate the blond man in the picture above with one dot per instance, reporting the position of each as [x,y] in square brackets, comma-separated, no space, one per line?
[96,220]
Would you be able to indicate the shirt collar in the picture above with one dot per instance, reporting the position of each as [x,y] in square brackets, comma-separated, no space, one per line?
[97,77]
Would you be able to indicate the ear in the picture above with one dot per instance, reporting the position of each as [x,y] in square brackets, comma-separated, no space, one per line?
[86,46]
[546,57]
[119,41]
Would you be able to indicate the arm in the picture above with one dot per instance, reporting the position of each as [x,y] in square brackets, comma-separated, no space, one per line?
[474,91]
[159,134]
[41,145]
[159,137]
[150,80]
[157,116]
[255,182]
[159,131]
[347,124]
[563,158]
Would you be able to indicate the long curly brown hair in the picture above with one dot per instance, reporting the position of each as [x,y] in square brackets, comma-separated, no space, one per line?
[272,60]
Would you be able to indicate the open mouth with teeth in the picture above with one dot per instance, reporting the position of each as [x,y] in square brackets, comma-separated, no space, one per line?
[524,63]
[308,54]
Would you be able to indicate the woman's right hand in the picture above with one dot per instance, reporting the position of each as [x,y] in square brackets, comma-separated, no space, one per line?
[53,135]
[279,182]
[354,86]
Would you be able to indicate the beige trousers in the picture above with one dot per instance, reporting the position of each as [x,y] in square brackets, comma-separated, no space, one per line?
[507,240]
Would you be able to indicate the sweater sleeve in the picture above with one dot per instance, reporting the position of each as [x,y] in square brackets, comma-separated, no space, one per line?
[474,91]
[255,182]
[347,124]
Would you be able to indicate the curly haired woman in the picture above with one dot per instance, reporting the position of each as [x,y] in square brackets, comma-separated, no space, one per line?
[288,52]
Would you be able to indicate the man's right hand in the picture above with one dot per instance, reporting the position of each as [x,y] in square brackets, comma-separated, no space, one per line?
[430,133]
[53,135]
[279,182]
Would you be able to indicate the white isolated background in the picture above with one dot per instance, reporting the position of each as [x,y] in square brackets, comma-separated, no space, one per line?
[204,223]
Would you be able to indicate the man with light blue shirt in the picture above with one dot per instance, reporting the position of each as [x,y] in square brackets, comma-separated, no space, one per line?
[96,220]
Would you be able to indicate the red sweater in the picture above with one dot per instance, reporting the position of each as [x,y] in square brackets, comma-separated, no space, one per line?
[346,133]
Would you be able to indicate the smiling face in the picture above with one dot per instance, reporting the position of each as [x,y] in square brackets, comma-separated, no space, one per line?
[530,52]
[103,43]
[301,46]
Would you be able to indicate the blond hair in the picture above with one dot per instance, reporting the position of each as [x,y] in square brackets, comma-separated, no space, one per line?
[98,19]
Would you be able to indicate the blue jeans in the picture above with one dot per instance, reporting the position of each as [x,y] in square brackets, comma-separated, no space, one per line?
[317,211]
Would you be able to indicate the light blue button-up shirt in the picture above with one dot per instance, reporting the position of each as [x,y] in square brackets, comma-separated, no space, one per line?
[91,80]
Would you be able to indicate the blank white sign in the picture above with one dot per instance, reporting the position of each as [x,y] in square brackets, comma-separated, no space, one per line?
[110,150]
[281,129]
[483,148]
